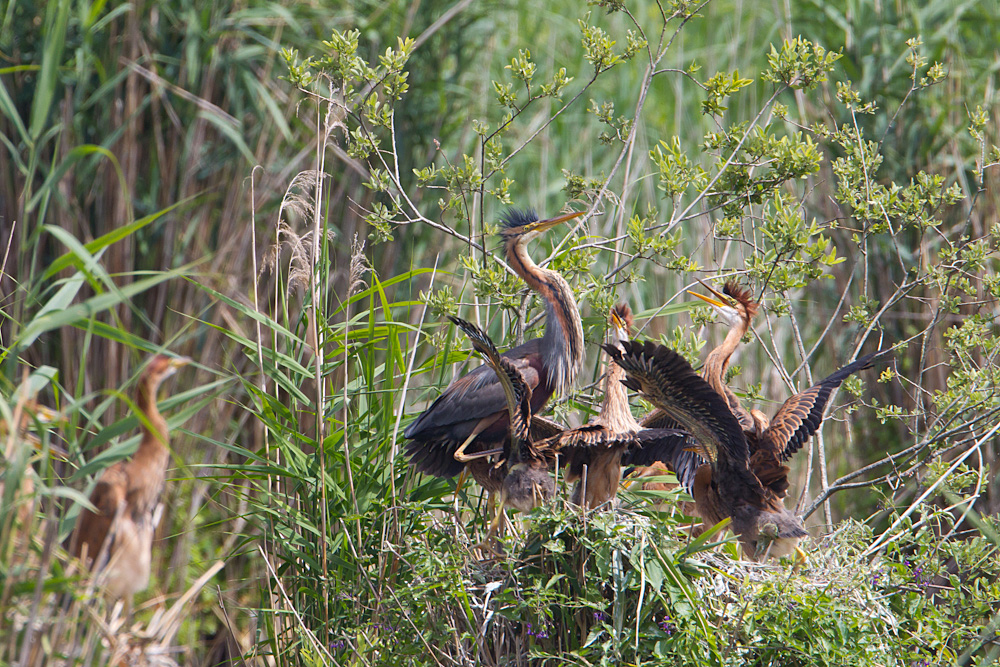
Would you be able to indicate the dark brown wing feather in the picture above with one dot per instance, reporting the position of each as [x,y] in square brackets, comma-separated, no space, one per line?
[674,451]
[517,393]
[657,418]
[92,529]
[667,380]
[542,428]
[800,416]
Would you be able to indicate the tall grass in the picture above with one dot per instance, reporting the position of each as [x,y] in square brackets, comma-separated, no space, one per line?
[134,218]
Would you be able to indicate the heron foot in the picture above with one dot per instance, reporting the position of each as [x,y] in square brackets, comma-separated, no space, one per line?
[465,458]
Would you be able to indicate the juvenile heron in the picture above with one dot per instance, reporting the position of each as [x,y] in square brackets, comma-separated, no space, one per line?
[737,308]
[729,489]
[471,416]
[117,540]
[742,476]
[797,419]
[522,474]
[597,448]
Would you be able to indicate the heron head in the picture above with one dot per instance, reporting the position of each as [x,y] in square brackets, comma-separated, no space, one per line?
[161,367]
[621,323]
[734,305]
[523,225]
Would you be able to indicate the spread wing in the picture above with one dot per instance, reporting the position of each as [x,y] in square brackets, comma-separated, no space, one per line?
[657,418]
[475,395]
[517,393]
[667,380]
[542,428]
[599,436]
[674,451]
[800,416]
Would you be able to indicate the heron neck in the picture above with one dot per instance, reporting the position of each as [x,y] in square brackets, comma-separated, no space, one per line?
[562,343]
[615,411]
[154,426]
[718,359]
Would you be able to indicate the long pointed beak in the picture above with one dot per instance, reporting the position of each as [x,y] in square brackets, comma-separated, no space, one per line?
[542,225]
[621,328]
[180,362]
[720,300]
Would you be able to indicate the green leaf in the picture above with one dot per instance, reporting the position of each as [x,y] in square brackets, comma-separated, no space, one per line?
[55,40]
[55,314]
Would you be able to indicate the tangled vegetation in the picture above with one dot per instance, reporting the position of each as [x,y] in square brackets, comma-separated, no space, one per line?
[296,198]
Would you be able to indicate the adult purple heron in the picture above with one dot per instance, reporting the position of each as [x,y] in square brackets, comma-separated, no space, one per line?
[471,416]
[594,452]
[117,539]
[524,461]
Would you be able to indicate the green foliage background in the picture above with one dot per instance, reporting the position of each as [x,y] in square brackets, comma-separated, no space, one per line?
[160,189]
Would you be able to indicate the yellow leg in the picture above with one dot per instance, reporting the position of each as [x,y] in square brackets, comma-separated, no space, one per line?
[480,427]
[460,452]
[800,559]
[489,544]
[465,458]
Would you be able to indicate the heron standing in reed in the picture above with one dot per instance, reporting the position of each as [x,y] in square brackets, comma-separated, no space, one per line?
[471,420]
[116,540]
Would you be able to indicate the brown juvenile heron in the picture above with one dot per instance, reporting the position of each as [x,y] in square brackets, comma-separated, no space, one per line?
[743,476]
[524,466]
[471,415]
[737,308]
[117,539]
[797,419]
[594,451]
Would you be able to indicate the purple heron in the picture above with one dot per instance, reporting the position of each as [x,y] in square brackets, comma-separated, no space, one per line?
[471,418]
[771,441]
[524,465]
[117,539]
[594,452]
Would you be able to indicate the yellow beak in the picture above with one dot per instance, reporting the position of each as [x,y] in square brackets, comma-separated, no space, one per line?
[542,225]
[179,362]
[720,300]
[620,327]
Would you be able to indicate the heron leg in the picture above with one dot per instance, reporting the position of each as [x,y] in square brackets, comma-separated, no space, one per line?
[480,427]
[490,544]
[465,458]
[800,559]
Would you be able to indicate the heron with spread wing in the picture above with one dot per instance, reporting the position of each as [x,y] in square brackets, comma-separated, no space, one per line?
[523,469]
[470,420]
[797,419]
[743,475]
[725,487]
[593,452]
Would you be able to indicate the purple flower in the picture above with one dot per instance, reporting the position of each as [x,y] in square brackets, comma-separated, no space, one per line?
[666,625]
[539,633]
[601,616]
